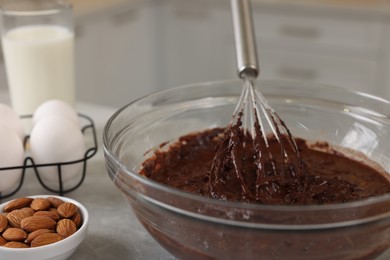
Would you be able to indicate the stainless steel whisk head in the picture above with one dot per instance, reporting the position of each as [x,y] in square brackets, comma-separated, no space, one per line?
[275,151]
[252,104]
[257,140]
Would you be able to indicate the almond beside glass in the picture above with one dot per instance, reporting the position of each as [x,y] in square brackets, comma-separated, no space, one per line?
[46,239]
[40,204]
[17,204]
[14,234]
[55,202]
[16,216]
[3,223]
[67,209]
[53,214]
[36,233]
[2,241]
[33,223]
[29,211]
[66,227]
[14,244]
[77,219]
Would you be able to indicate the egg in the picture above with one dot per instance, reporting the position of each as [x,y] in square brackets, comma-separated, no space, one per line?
[9,118]
[55,107]
[56,139]
[11,154]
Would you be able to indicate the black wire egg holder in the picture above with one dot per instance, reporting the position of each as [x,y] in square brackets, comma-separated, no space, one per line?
[29,162]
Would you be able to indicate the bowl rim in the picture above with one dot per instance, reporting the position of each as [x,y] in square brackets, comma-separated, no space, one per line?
[248,206]
[59,246]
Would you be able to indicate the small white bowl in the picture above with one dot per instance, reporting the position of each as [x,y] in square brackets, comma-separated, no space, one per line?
[57,251]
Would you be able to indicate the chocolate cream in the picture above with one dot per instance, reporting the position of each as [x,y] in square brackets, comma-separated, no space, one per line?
[316,176]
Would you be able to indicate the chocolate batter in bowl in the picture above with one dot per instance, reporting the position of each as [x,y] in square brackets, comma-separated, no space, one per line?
[192,226]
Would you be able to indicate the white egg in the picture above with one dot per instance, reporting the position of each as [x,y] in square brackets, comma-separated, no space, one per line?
[56,139]
[55,107]
[9,118]
[11,154]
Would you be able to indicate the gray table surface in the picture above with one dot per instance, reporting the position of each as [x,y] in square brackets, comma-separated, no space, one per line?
[113,232]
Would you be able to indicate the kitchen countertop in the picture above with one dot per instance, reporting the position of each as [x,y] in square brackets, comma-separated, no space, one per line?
[113,232]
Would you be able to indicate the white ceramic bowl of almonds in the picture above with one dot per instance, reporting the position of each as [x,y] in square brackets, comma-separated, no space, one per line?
[59,243]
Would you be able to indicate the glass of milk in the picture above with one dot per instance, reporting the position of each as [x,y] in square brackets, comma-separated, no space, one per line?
[38,46]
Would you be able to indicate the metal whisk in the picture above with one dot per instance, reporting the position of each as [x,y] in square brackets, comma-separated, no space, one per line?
[257,140]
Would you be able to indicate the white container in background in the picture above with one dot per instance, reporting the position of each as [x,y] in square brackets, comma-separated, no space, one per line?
[38,47]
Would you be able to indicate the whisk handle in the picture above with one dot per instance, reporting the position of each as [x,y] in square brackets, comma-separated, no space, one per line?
[244,37]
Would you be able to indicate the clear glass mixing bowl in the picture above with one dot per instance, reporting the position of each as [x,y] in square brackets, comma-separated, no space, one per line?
[194,227]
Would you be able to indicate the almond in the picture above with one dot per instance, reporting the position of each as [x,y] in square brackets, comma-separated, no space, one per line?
[50,214]
[55,202]
[15,217]
[34,234]
[67,209]
[33,223]
[40,204]
[14,234]
[3,223]
[66,227]
[29,211]
[14,244]
[17,204]
[2,241]
[55,212]
[77,219]
[45,239]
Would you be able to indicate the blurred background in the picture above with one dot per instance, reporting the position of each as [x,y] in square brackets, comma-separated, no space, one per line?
[126,49]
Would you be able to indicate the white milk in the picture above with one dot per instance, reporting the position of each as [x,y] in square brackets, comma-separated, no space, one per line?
[40,65]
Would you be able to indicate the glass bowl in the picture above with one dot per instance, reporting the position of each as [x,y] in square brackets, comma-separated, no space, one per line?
[193,227]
